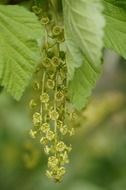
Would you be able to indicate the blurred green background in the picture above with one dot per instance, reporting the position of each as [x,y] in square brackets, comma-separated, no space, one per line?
[98,159]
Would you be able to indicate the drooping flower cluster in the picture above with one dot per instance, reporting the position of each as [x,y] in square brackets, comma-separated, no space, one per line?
[49,107]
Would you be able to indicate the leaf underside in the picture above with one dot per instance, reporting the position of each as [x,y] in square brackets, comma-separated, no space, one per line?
[115,30]
[84,24]
[20,39]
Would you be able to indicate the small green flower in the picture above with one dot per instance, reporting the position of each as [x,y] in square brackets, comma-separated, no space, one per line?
[44,141]
[64,130]
[44,20]
[57,30]
[33,133]
[59,174]
[44,127]
[32,103]
[55,61]
[44,98]
[64,158]
[61,171]
[59,96]
[37,118]
[54,115]
[50,83]
[60,146]
[50,135]
[36,10]
[53,162]
[59,124]
[46,62]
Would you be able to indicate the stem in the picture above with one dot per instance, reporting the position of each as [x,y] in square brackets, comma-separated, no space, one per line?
[44,75]
[43,82]
[55,122]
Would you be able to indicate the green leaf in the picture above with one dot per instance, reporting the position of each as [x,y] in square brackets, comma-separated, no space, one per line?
[84,24]
[20,39]
[115,30]
[117,3]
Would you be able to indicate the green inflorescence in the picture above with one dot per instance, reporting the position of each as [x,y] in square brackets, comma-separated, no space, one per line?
[49,108]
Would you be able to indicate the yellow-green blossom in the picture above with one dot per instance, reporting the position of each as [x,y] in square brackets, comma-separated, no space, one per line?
[50,135]
[32,103]
[64,130]
[44,127]
[44,98]
[37,118]
[59,96]
[55,61]
[64,158]
[44,141]
[53,162]
[44,20]
[60,146]
[54,115]
[57,30]
[32,133]
[46,149]
[50,83]
[59,174]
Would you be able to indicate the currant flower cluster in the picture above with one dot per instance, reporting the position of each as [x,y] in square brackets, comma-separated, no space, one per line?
[49,107]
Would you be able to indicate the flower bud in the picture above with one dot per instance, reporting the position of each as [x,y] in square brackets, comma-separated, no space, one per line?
[36,85]
[59,96]
[44,20]
[50,83]
[56,30]
[55,61]
[32,133]
[46,62]
[32,103]
[36,10]
[37,118]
